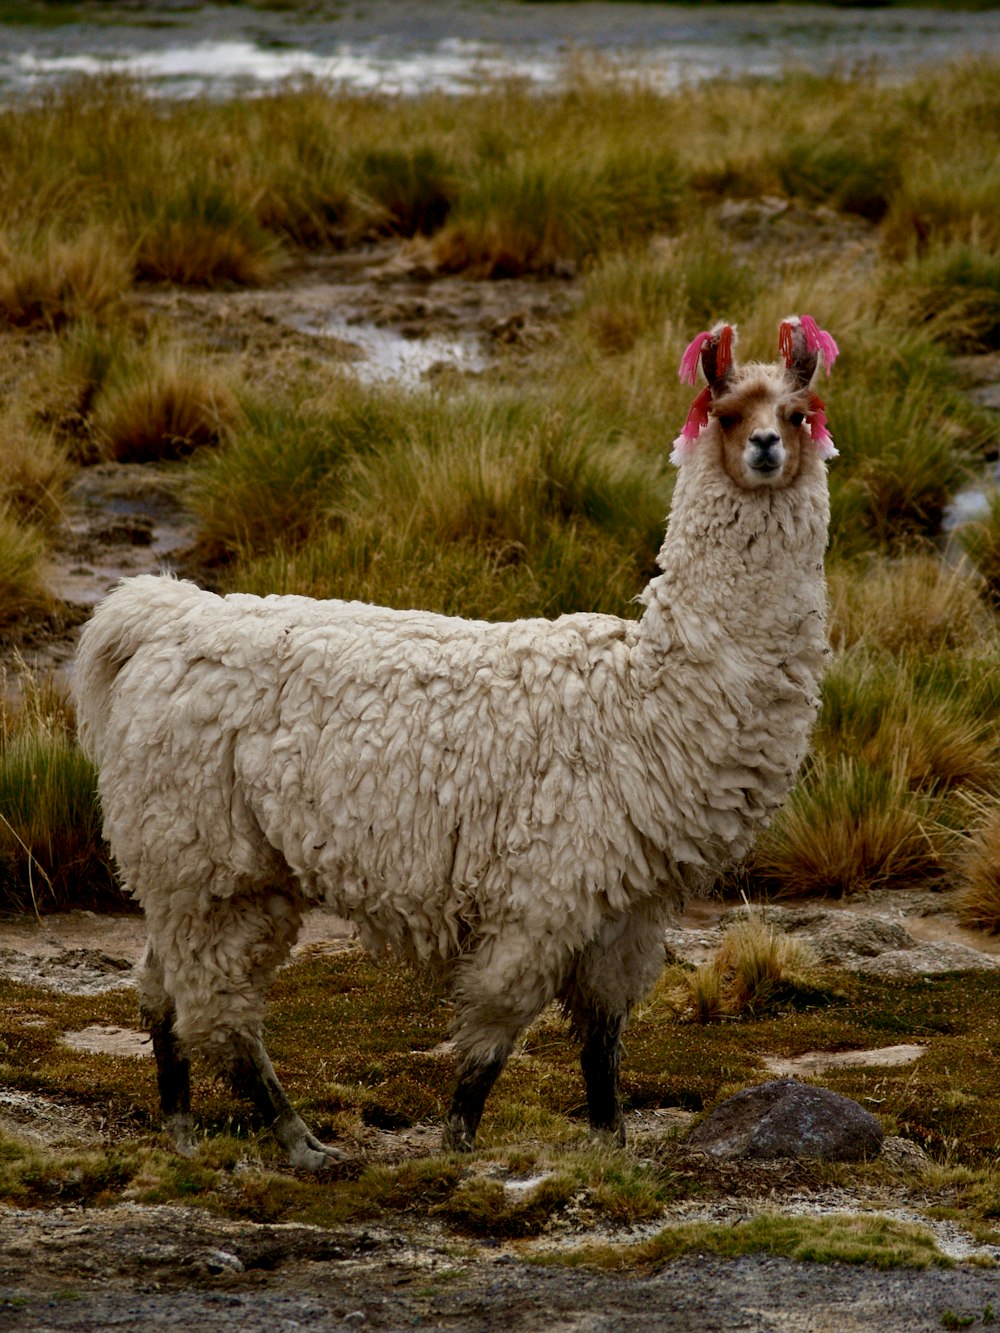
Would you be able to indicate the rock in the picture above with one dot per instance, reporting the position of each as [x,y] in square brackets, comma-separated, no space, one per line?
[786,1118]
[904,1155]
[927,960]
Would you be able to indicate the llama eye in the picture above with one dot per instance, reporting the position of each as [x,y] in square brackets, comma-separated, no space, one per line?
[796,418]
[729,420]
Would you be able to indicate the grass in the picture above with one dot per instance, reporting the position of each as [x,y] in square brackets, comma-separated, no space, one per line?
[51,852]
[834,1239]
[756,969]
[534,1168]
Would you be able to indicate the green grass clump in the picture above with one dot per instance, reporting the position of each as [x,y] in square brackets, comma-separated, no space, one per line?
[51,851]
[838,1238]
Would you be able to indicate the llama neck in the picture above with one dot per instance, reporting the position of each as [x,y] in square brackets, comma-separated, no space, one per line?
[742,576]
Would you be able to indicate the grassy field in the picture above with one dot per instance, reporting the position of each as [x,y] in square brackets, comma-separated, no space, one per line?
[540,485]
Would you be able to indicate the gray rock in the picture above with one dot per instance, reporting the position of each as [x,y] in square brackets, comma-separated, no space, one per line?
[927,960]
[786,1118]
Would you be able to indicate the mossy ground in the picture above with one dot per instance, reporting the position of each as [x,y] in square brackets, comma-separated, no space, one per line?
[357,1045]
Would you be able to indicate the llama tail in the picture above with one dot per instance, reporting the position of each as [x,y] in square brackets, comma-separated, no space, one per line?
[126,619]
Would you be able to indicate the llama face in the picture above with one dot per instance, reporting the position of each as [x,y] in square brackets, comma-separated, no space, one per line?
[761,420]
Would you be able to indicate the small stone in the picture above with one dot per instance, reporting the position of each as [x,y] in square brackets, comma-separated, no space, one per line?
[785,1118]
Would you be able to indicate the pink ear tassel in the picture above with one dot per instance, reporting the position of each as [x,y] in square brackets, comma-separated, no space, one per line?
[697,418]
[688,372]
[818,340]
[816,421]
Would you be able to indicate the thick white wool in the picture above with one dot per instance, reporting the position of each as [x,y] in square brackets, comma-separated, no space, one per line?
[515,796]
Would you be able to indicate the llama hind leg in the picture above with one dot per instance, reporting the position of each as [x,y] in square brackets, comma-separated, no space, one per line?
[495,999]
[173,1069]
[219,953]
[252,1076]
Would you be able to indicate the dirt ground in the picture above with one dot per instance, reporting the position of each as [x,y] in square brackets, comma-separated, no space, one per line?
[384,313]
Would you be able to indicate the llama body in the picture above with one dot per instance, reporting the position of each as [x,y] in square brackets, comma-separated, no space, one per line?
[520,805]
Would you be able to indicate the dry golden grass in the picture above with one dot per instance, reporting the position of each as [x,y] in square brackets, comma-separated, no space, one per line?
[47,281]
[23,553]
[846,828]
[979,870]
[34,473]
[915,602]
[163,406]
[754,967]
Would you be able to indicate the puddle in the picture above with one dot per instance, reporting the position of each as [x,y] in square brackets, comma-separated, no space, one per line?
[388,356]
[819,1062]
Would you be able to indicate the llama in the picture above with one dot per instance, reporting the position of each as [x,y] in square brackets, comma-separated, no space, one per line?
[520,805]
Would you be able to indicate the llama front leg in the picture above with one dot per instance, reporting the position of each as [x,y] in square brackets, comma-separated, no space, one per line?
[600,1059]
[252,1075]
[475,1080]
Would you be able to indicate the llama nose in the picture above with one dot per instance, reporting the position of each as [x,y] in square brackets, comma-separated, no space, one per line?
[765,450]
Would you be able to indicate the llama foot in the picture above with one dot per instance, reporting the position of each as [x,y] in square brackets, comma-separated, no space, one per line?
[457,1135]
[180,1127]
[305,1152]
[608,1136]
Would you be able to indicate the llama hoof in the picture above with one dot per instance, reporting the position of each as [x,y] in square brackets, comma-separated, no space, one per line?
[180,1127]
[608,1136]
[457,1137]
[311,1155]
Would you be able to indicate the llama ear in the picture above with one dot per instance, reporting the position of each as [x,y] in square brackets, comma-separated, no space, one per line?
[714,349]
[717,356]
[803,343]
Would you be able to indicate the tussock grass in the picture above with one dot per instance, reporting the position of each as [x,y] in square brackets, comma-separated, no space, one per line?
[162,405]
[979,870]
[478,505]
[913,604]
[756,969]
[46,280]
[51,852]
[846,828]
[23,552]
[34,473]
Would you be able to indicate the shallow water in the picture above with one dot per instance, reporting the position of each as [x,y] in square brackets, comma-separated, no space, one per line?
[411,46]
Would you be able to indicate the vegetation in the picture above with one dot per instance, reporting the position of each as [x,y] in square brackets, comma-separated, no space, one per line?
[534,488]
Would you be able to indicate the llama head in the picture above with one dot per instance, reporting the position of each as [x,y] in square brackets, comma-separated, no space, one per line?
[763,418]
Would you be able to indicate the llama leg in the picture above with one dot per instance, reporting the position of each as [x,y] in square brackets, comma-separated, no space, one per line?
[600,1058]
[475,1079]
[614,971]
[252,1075]
[219,954]
[173,1069]
[497,991]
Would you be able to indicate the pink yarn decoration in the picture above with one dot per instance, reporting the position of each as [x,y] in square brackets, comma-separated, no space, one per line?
[697,417]
[816,421]
[818,340]
[688,372]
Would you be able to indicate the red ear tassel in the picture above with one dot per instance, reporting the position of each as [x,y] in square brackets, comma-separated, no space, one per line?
[724,355]
[785,342]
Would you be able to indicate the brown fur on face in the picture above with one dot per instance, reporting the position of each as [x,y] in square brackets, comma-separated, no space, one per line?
[760,414]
